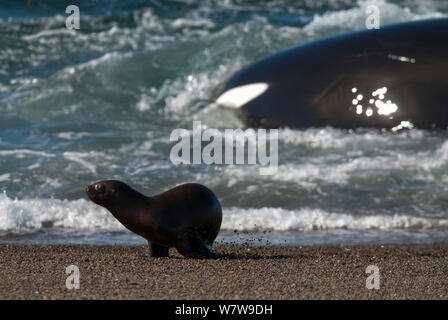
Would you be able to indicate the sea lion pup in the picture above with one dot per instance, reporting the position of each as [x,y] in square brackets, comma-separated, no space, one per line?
[187,217]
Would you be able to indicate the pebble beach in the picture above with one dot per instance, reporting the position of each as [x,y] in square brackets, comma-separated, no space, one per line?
[244,272]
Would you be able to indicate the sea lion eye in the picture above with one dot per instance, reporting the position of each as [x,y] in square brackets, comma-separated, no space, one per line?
[99,188]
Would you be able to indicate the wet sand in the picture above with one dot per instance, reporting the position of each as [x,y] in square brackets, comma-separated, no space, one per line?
[271,272]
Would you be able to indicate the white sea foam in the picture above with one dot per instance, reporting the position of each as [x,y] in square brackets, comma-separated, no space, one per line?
[22,153]
[357,154]
[308,219]
[178,95]
[48,33]
[91,64]
[194,22]
[330,138]
[72,135]
[34,214]
[88,159]
[354,18]
[5,177]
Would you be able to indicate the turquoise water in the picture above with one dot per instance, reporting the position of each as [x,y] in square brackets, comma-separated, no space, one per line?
[100,103]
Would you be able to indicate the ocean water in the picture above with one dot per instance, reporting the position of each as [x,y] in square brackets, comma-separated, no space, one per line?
[100,103]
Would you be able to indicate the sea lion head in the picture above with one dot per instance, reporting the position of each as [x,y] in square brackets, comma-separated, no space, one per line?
[107,193]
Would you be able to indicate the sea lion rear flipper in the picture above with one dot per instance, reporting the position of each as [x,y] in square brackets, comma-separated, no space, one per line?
[191,246]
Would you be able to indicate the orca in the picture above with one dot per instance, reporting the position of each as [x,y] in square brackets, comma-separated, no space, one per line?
[394,77]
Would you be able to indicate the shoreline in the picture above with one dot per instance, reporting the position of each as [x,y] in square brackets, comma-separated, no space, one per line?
[246,272]
[226,237]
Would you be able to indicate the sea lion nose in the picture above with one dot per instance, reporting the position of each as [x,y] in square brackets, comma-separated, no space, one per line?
[89,189]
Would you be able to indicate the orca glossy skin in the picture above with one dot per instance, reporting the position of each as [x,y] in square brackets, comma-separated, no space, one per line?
[393,77]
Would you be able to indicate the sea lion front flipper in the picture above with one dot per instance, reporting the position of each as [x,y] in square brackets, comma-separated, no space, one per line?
[156,251]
